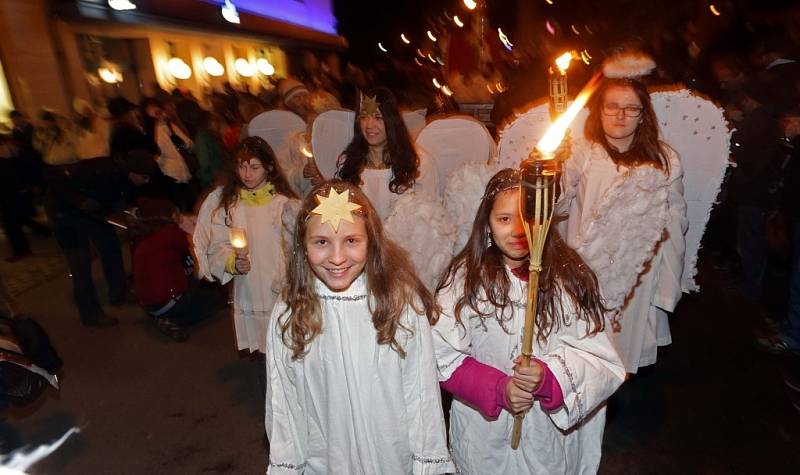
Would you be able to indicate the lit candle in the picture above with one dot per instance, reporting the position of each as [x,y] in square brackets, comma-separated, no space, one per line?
[238,238]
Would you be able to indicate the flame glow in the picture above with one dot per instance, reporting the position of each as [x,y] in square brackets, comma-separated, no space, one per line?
[405,40]
[380,46]
[549,27]
[470,4]
[19,461]
[555,133]
[306,152]
[265,67]
[713,9]
[575,30]
[458,21]
[213,67]
[563,62]
[447,90]
[436,83]
[430,35]
[238,238]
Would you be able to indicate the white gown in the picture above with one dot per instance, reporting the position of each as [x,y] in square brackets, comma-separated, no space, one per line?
[375,184]
[619,220]
[565,441]
[254,293]
[352,406]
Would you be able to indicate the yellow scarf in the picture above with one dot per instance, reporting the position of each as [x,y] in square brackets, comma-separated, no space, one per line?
[258,197]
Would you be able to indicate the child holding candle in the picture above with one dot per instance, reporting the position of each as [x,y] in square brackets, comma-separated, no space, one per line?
[350,359]
[239,237]
[477,341]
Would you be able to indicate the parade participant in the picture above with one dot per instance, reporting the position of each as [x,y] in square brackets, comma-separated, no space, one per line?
[622,151]
[477,340]
[350,358]
[381,159]
[253,198]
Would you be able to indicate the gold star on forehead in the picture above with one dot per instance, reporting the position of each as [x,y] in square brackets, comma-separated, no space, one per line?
[369,105]
[335,207]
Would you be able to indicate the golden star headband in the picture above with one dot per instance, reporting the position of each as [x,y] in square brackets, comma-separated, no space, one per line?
[369,105]
[335,207]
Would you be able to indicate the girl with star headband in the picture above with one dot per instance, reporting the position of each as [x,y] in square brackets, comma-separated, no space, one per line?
[478,336]
[381,159]
[255,199]
[350,359]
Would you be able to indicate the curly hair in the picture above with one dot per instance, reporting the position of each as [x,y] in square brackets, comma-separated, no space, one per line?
[486,280]
[646,148]
[399,153]
[392,283]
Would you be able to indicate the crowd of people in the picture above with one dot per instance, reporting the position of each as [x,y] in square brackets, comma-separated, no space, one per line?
[353,345]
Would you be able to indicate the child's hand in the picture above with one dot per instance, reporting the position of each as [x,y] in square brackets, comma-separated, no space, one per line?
[519,399]
[527,379]
[242,262]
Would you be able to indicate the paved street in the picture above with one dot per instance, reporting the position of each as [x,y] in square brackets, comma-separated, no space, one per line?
[146,405]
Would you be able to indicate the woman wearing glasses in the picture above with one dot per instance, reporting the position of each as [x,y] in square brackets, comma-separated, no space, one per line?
[623,192]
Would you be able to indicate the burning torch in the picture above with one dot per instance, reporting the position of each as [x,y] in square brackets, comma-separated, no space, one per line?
[539,189]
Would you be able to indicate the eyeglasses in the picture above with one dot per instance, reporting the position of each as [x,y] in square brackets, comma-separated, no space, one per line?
[614,109]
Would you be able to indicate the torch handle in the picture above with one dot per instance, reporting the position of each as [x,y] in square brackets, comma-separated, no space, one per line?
[527,346]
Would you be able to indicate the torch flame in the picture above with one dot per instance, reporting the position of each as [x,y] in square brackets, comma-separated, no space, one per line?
[563,62]
[555,133]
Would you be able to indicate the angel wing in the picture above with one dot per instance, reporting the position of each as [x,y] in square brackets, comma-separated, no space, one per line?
[422,226]
[519,137]
[279,128]
[696,128]
[331,132]
[415,122]
[454,141]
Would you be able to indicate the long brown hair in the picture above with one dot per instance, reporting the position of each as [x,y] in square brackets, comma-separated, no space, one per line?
[399,152]
[392,284]
[248,149]
[646,148]
[486,280]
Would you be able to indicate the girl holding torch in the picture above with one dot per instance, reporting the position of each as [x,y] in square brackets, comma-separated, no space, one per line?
[477,339]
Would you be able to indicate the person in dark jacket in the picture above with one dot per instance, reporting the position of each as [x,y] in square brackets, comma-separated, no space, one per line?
[78,201]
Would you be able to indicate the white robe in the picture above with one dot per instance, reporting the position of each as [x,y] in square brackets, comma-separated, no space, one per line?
[254,293]
[352,406]
[567,440]
[375,184]
[588,176]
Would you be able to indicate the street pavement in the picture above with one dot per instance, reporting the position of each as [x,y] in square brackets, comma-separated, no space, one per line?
[147,405]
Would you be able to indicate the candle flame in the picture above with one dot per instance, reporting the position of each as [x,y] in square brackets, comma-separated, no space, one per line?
[446,90]
[307,152]
[563,62]
[430,35]
[436,83]
[555,133]
[470,4]
[458,21]
[238,238]
[380,46]
[713,9]
[403,37]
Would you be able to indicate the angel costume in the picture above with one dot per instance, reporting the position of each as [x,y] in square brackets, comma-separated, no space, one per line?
[562,439]
[264,216]
[352,406]
[375,184]
[628,224]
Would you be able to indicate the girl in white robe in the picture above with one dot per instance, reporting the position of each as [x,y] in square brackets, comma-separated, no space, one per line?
[352,375]
[478,342]
[381,159]
[623,192]
[257,199]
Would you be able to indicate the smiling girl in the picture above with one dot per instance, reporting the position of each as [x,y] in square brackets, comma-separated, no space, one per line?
[352,377]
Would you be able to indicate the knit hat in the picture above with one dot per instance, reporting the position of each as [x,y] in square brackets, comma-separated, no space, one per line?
[290,88]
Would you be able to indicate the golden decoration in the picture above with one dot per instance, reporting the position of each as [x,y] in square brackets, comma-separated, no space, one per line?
[335,207]
[369,105]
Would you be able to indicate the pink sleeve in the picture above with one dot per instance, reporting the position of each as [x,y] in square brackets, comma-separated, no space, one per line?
[549,391]
[479,385]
